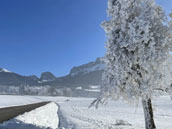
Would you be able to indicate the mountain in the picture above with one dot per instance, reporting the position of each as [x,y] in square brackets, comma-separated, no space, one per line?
[47,77]
[80,76]
[98,65]
[34,77]
[8,78]
[4,70]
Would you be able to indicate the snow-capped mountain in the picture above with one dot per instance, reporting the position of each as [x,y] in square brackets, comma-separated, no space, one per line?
[80,76]
[87,68]
[4,70]
[8,78]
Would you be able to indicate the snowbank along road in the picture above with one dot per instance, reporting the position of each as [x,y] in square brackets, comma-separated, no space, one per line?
[44,117]
[11,112]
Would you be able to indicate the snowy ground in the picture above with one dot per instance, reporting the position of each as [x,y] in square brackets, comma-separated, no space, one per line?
[115,115]
[74,113]
[12,100]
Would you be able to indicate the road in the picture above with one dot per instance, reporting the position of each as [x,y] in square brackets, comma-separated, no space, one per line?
[11,112]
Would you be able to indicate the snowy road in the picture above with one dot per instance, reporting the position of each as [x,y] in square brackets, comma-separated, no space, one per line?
[44,117]
[11,112]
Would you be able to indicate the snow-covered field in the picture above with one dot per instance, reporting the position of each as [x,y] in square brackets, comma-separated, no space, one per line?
[75,114]
[115,115]
[12,100]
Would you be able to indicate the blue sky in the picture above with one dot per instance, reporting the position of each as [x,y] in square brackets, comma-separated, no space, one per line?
[52,35]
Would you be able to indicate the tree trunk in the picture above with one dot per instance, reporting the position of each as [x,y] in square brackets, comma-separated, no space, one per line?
[148,113]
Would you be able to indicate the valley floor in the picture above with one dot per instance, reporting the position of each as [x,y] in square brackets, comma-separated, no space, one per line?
[75,114]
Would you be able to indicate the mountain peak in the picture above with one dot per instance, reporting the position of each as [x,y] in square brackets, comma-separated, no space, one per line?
[90,67]
[47,76]
[4,70]
[34,77]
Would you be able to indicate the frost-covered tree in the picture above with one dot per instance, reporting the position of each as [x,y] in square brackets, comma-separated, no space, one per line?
[169,64]
[138,45]
[170,23]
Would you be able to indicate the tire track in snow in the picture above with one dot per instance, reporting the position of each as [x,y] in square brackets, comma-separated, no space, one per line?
[63,122]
